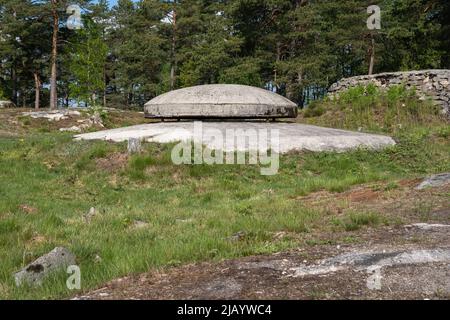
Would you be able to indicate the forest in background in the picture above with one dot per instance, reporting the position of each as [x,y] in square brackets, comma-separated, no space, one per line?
[125,55]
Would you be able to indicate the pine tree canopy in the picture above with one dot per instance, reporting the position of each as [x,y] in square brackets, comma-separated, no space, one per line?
[124,55]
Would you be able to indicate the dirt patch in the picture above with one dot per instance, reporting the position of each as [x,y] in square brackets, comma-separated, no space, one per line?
[114,162]
[7,134]
[399,204]
[363,195]
[28,209]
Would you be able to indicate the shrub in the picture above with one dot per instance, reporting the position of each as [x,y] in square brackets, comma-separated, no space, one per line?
[370,109]
[98,110]
[354,221]
[2,94]
[314,110]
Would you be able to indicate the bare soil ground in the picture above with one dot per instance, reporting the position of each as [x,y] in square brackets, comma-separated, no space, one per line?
[275,277]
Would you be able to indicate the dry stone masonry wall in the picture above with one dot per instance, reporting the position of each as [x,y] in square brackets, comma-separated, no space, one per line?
[432,84]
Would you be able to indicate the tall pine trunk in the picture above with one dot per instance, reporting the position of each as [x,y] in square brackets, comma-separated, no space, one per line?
[53,91]
[275,71]
[14,84]
[104,83]
[37,90]
[372,56]
[174,44]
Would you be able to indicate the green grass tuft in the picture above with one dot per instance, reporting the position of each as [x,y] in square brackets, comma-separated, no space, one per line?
[354,221]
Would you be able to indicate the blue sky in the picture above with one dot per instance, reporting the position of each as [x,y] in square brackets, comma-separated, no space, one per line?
[112,2]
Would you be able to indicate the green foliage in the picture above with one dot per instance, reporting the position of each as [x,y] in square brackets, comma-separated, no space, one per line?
[411,39]
[88,57]
[137,50]
[2,94]
[247,72]
[370,109]
[443,132]
[314,109]
[354,221]
[98,110]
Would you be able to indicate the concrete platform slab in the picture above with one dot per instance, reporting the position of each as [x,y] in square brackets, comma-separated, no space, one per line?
[292,136]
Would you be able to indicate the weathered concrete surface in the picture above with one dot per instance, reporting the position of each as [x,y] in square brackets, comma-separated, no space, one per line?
[291,136]
[34,273]
[220,101]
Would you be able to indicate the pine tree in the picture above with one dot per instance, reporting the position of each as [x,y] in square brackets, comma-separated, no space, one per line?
[13,16]
[210,47]
[137,50]
[413,34]
[56,9]
[87,64]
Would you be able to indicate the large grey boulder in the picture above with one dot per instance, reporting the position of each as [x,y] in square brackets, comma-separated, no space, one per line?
[220,101]
[34,273]
[6,104]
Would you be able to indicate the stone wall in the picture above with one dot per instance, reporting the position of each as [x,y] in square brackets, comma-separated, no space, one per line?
[428,83]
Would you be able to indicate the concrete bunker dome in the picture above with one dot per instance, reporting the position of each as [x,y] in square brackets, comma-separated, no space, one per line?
[220,101]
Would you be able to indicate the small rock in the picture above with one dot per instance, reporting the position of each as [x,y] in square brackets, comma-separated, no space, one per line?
[71,129]
[137,224]
[438,180]
[34,273]
[27,209]
[238,236]
[90,215]
[134,145]
[96,119]
[97,259]
[426,226]
[279,235]
[73,113]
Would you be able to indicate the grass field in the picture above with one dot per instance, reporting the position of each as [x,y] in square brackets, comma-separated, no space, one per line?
[150,213]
